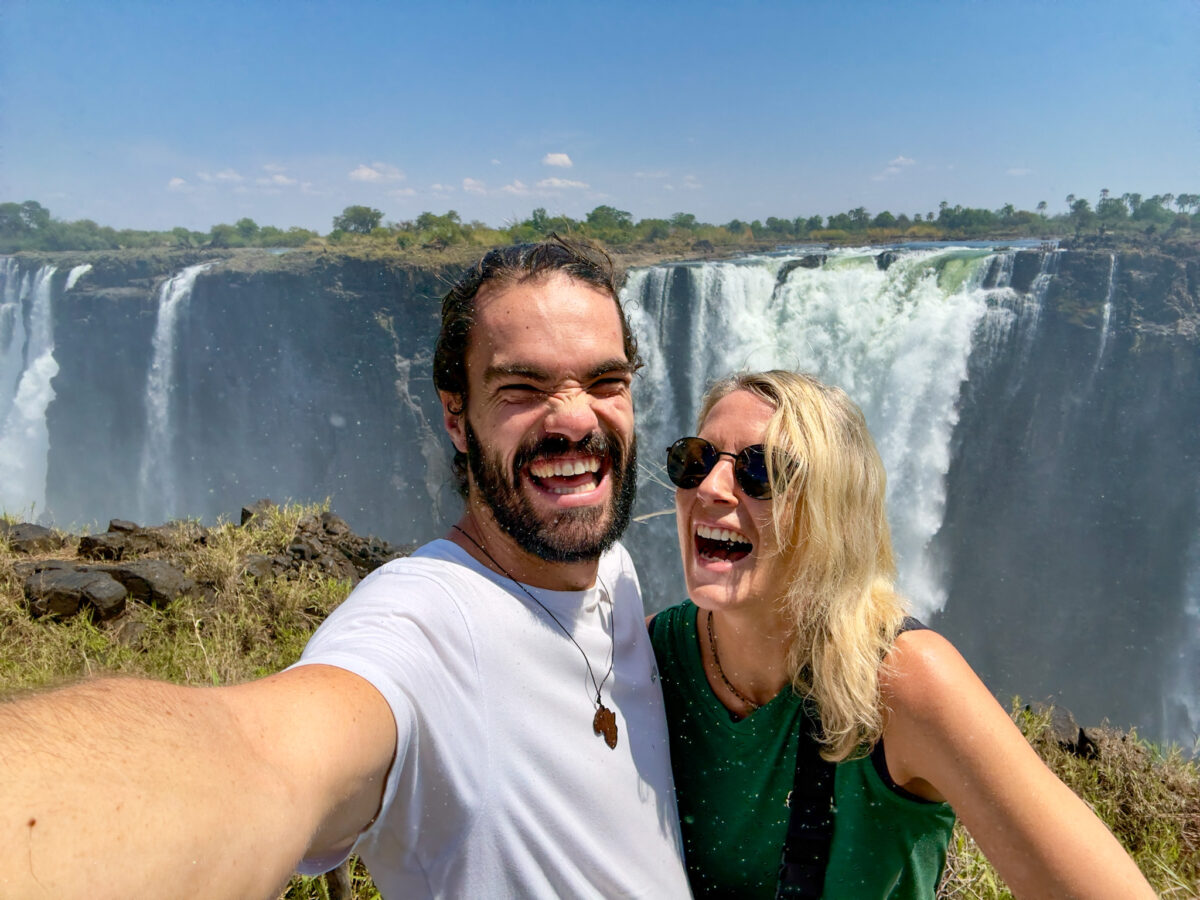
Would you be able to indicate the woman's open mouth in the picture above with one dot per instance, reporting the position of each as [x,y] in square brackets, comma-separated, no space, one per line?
[721,544]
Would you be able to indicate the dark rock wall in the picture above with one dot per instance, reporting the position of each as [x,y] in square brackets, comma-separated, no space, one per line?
[1074,498]
[289,381]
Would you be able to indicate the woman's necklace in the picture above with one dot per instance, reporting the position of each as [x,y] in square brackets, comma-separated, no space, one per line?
[712,645]
[605,720]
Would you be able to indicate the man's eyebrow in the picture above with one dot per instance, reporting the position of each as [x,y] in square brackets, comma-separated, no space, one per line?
[514,370]
[613,366]
[616,365]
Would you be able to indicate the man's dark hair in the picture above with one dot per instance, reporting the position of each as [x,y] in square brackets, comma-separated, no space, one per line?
[578,259]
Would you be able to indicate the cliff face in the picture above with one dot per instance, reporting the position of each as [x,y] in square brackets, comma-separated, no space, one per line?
[1068,550]
[290,377]
[1072,522]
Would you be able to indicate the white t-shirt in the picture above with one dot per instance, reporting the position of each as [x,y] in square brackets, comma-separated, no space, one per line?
[500,788]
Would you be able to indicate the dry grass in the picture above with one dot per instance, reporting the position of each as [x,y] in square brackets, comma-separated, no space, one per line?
[1149,799]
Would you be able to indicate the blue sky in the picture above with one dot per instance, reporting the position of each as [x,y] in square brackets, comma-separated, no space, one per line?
[151,115]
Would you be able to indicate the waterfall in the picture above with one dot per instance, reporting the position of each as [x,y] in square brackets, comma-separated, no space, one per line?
[1182,716]
[157,483]
[897,339]
[1104,325]
[24,439]
[13,293]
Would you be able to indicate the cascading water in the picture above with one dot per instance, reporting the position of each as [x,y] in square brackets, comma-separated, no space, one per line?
[1104,325]
[1182,704]
[157,487]
[896,339]
[24,439]
[13,294]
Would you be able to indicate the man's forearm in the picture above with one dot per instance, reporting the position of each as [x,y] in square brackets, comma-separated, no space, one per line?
[124,788]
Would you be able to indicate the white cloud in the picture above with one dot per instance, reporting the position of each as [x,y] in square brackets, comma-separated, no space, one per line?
[662,174]
[226,176]
[517,187]
[376,172]
[561,160]
[495,162]
[274,167]
[401,192]
[474,186]
[894,167]
[278,179]
[178,184]
[691,183]
[1018,172]
[441,188]
[560,183]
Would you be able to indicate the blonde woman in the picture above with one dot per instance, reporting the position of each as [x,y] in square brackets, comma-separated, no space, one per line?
[792,673]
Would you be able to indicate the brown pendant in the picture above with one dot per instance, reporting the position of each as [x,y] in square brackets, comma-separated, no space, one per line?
[605,723]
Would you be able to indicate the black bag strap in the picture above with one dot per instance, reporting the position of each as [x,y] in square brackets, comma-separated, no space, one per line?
[810,821]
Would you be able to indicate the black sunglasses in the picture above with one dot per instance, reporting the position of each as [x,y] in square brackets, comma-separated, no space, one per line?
[690,459]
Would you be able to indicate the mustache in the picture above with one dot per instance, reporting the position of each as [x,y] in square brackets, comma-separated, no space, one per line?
[594,443]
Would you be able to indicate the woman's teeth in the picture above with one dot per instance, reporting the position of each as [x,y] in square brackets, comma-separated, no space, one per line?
[722,534]
[722,543]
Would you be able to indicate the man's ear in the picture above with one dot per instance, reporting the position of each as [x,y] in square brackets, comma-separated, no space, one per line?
[454,417]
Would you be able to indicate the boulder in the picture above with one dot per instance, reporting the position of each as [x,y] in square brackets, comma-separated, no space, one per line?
[809,261]
[152,581]
[884,260]
[30,539]
[257,508]
[124,540]
[61,591]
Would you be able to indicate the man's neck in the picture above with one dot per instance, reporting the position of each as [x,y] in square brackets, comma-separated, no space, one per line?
[478,533]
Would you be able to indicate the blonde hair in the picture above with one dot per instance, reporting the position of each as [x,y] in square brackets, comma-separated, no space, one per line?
[830,530]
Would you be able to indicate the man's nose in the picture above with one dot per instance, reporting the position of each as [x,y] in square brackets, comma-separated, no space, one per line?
[571,415]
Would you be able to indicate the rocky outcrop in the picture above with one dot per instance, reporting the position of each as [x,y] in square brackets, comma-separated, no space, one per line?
[27,538]
[324,542]
[60,588]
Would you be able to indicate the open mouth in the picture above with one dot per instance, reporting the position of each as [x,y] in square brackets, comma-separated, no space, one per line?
[566,476]
[721,544]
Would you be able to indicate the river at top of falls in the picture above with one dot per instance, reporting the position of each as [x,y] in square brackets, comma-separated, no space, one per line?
[896,339]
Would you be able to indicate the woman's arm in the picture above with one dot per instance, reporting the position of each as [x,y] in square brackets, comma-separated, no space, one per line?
[946,737]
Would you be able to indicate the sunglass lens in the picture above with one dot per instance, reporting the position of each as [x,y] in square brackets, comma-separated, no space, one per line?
[752,472]
[689,460]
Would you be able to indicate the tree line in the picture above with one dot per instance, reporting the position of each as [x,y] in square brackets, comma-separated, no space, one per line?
[30,226]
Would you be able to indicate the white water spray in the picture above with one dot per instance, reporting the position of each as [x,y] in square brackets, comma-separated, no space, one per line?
[24,439]
[1108,301]
[157,485]
[897,341]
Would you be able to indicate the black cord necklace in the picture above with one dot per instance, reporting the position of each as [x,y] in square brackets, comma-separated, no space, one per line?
[605,721]
[712,643]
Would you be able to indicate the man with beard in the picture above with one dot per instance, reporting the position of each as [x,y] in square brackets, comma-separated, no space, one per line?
[479,719]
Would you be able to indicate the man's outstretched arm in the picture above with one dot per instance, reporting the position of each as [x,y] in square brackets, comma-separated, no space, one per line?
[126,788]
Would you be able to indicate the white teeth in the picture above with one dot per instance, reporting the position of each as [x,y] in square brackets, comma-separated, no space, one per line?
[545,468]
[721,534]
[574,490]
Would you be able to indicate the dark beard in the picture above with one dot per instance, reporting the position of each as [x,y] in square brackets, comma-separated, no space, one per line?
[573,535]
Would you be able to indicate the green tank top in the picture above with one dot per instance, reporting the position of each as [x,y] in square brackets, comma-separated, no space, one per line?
[732,779]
